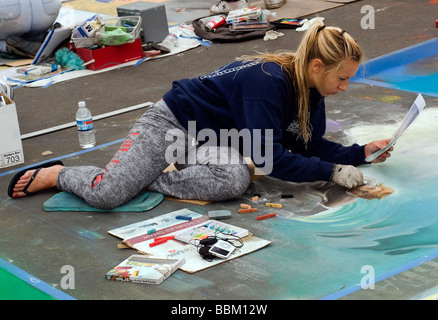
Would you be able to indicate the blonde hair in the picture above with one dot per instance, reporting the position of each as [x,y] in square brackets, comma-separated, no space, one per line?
[331,45]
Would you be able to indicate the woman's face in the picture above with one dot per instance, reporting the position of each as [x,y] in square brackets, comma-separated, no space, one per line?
[331,81]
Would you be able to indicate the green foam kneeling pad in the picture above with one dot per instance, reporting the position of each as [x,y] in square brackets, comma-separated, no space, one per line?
[65,201]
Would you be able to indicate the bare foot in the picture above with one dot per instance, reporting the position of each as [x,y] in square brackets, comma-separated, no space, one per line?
[45,179]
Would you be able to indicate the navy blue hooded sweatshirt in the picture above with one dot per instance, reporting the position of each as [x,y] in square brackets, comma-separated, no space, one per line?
[256,95]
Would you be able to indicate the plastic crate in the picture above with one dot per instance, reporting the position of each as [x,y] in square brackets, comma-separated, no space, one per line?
[131,25]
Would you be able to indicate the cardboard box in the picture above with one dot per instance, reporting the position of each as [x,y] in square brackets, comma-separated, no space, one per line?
[111,55]
[11,149]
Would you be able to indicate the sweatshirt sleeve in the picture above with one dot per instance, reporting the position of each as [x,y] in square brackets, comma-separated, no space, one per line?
[297,163]
[328,150]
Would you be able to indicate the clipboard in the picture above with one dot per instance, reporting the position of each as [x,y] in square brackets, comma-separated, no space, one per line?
[53,39]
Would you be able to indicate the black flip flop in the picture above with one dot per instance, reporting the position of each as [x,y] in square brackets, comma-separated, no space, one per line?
[22,172]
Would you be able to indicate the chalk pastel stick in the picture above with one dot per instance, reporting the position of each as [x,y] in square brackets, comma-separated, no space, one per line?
[156,243]
[150,231]
[247,210]
[164,238]
[245,206]
[219,214]
[183,218]
[274,205]
[267,216]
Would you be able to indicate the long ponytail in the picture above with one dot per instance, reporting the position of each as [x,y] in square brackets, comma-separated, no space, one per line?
[331,45]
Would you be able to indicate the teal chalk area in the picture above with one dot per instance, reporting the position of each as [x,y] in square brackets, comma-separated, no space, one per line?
[413,69]
[329,255]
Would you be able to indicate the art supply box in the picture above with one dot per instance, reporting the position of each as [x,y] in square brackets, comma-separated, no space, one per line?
[111,55]
[11,149]
[143,269]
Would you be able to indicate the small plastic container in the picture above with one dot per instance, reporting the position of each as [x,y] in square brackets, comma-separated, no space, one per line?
[273,4]
[170,41]
[84,35]
[129,24]
[83,42]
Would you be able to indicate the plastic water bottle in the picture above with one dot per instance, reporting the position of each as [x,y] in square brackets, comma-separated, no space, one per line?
[84,122]
[170,41]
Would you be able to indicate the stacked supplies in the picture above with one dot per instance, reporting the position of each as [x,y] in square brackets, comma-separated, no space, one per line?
[247,19]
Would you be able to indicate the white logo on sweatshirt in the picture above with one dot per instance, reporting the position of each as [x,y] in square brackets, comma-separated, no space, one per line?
[294,127]
[223,70]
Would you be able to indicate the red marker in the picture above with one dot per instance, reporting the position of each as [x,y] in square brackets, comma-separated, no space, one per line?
[267,216]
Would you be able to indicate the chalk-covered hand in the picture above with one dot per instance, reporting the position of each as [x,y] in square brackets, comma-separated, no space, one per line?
[347,176]
[375,146]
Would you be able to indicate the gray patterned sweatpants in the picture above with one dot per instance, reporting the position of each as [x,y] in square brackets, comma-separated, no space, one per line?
[154,142]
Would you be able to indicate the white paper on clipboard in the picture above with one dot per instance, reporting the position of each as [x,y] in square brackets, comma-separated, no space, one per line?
[53,39]
[412,114]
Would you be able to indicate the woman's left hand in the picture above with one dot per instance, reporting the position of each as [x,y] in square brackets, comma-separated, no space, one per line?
[375,146]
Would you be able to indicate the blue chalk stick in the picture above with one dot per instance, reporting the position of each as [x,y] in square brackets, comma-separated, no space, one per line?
[183,218]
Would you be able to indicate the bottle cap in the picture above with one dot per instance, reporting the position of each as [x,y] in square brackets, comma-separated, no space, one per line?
[81,104]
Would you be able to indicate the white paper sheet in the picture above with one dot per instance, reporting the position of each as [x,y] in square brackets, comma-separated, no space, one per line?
[412,114]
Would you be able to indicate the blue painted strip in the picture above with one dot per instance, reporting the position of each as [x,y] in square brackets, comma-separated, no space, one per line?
[140,61]
[392,86]
[64,156]
[400,57]
[375,83]
[49,84]
[383,276]
[35,282]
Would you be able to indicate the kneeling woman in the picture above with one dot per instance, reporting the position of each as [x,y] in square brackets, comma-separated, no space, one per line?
[278,99]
